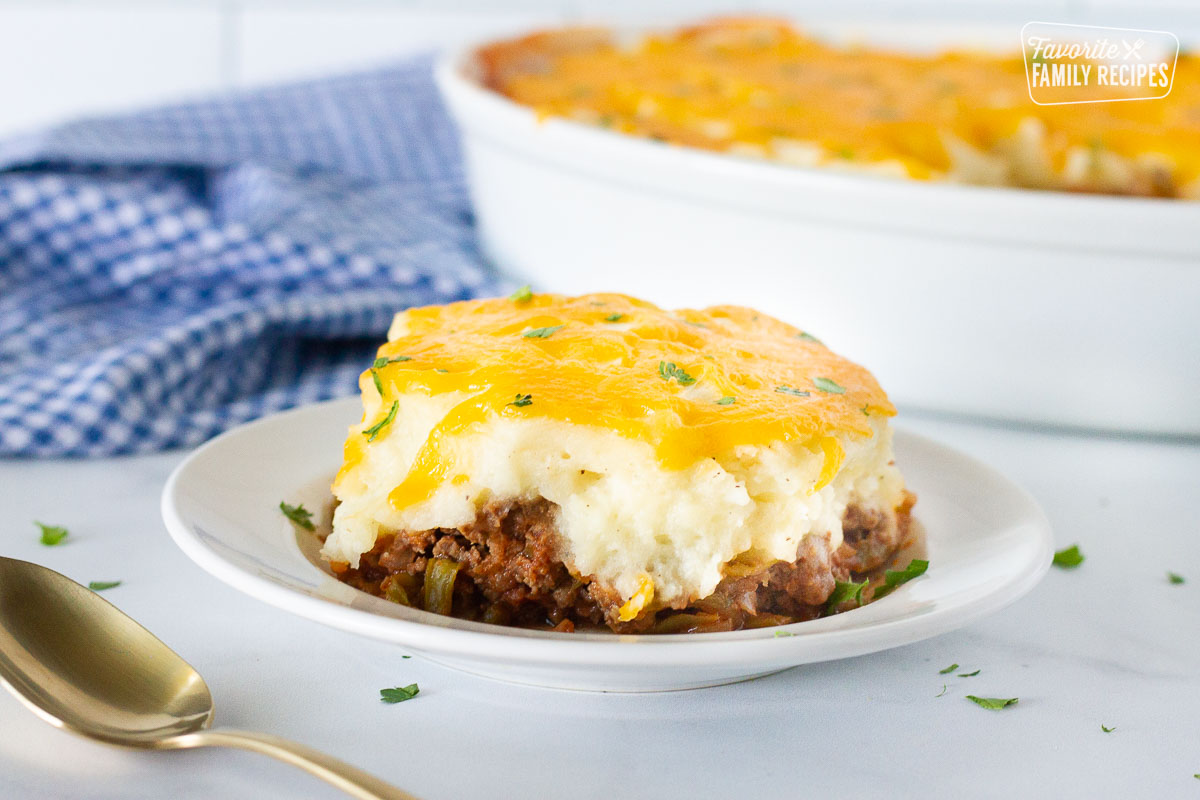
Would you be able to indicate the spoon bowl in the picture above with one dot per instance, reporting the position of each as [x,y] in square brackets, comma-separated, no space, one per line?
[66,652]
[82,665]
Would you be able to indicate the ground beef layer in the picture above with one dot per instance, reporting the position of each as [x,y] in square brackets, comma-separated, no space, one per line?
[506,568]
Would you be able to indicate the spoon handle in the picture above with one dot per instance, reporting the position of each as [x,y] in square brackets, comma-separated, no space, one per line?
[351,780]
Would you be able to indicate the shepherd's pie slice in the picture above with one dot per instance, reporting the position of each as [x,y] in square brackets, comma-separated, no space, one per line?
[596,460]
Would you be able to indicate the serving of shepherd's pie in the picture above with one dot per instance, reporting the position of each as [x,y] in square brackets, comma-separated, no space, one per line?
[557,461]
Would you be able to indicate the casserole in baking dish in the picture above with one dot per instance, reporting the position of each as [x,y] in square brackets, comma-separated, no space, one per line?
[760,88]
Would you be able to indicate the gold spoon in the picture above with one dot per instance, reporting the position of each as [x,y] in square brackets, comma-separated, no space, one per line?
[81,664]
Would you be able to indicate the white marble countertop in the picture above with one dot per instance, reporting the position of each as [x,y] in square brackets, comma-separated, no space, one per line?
[1112,643]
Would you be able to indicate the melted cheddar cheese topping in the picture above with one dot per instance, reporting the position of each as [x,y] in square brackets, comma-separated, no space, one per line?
[693,384]
[761,88]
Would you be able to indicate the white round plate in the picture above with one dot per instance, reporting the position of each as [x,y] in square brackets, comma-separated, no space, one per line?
[987,542]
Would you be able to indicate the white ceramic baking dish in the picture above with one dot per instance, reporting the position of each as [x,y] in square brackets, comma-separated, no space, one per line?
[1043,307]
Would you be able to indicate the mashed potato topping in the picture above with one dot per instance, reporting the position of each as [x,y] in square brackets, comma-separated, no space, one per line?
[678,447]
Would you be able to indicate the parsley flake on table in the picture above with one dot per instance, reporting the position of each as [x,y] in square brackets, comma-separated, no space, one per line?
[948,669]
[808,337]
[614,317]
[668,371]
[522,400]
[992,703]
[844,592]
[383,361]
[1068,557]
[892,579]
[522,295]
[969,674]
[942,692]
[100,586]
[1175,577]
[542,333]
[1107,729]
[52,534]
[783,634]
[399,694]
[793,392]
[829,386]
[374,430]
[299,515]
[727,400]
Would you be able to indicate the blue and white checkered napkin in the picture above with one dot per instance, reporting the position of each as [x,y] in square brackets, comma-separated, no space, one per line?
[166,275]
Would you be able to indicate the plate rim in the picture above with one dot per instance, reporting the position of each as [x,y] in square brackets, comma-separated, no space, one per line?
[755,648]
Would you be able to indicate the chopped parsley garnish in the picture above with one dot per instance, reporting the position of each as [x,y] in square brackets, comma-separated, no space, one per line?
[727,400]
[844,592]
[791,391]
[782,634]
[299,515]
[1107,729]
[616,316]
[541,333]
[828,386]
[667,370]
[522,400]
[866,411]
[1175,577]
[443,371]
[374,430]
[406,656]
[378,385]
[521,295]
[969,674]
[383,361]
[1068,557]
[52,534]
[808,337]
[992,703]
[942,692]
[100,586]
[696,324]
[948,669]
[894,578]
[399,694]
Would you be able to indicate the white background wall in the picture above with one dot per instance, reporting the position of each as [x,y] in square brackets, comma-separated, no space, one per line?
[66,58]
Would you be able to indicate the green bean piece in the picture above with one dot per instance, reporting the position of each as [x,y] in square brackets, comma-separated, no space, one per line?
[439,585]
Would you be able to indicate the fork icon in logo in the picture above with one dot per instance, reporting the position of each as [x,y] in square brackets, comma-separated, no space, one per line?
[1132,49]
